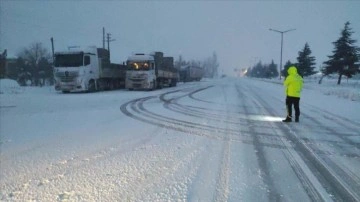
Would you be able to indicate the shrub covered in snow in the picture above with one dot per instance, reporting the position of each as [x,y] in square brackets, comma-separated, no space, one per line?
[9,86]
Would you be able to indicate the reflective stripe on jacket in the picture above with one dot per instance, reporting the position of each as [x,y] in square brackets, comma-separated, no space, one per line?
[293,83]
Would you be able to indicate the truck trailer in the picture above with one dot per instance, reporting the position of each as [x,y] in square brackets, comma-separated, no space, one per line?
[190,73]
[150,71]
[87,69]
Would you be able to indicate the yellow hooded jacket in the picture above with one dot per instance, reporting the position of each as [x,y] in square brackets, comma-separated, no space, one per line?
[293,83]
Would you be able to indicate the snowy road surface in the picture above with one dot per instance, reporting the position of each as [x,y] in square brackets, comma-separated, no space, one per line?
[219,140]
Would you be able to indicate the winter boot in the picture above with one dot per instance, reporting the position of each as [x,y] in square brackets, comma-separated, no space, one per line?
[297,119]
[288,119]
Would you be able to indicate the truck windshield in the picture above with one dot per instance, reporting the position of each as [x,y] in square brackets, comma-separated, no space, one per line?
[138,66]
[69,60]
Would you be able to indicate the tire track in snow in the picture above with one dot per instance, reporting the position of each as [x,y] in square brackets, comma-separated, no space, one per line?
[222,189]
[340,135]
[310,186]
[139,112]
[204,181]
[273,193]
[321,166]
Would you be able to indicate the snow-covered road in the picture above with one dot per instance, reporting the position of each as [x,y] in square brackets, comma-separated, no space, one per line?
[218,140]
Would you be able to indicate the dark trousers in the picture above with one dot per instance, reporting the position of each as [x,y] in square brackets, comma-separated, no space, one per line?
[290,101]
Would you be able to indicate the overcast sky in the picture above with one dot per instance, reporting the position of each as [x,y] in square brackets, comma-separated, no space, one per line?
[238,31]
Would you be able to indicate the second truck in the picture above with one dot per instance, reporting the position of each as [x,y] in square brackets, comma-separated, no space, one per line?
[150,71]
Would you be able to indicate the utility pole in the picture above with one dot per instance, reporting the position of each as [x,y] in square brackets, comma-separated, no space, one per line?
[52,48]
[282,33]
[103,37]
[108,39]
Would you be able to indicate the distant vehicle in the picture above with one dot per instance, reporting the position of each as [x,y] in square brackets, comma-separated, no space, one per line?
[190,73]
[150,71]
[87,69]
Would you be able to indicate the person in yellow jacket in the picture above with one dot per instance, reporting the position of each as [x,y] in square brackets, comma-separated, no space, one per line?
[293,85]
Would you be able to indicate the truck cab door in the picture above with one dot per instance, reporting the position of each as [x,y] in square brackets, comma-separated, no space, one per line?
[91,66]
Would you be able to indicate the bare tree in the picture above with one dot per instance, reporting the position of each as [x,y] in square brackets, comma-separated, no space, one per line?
[33,55]
[211,66]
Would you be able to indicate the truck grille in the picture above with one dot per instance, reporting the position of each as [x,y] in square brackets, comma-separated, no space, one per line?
[137,79]
[137,86]
[67,76]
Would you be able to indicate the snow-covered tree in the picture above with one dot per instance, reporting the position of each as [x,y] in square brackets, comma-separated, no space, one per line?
[306,62]
[211,66]
[345,57]
[36,56]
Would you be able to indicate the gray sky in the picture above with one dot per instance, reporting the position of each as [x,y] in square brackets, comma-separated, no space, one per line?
[238,31]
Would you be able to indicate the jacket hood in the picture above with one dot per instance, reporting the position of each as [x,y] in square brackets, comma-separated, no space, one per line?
[292,70]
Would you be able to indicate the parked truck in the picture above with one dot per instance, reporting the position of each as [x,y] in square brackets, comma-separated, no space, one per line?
[87,69]
[190,73]
[150,71]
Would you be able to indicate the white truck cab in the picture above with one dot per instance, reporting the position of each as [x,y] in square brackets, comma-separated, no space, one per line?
[150,71]
[85,69]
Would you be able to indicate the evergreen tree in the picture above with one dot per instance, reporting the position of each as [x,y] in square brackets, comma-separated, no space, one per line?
[258,70]
[273,70]
[345,58]
[263,70]
[266,71]
[306,63]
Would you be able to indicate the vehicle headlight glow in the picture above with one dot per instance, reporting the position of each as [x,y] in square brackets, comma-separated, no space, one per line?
[265,118]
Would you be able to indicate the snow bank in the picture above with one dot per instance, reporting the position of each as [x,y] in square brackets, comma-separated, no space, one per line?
[8,86]
[348,89]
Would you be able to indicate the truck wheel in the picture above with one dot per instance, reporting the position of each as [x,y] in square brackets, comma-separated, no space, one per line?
[160,85]
[92,86]
[111,84]
[154,85]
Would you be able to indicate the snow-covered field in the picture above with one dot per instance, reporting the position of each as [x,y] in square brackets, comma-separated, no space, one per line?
[214,140]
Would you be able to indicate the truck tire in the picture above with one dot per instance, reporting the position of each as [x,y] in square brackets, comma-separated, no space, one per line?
[111,84]
[159,84]
[154,86]
[92,86]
